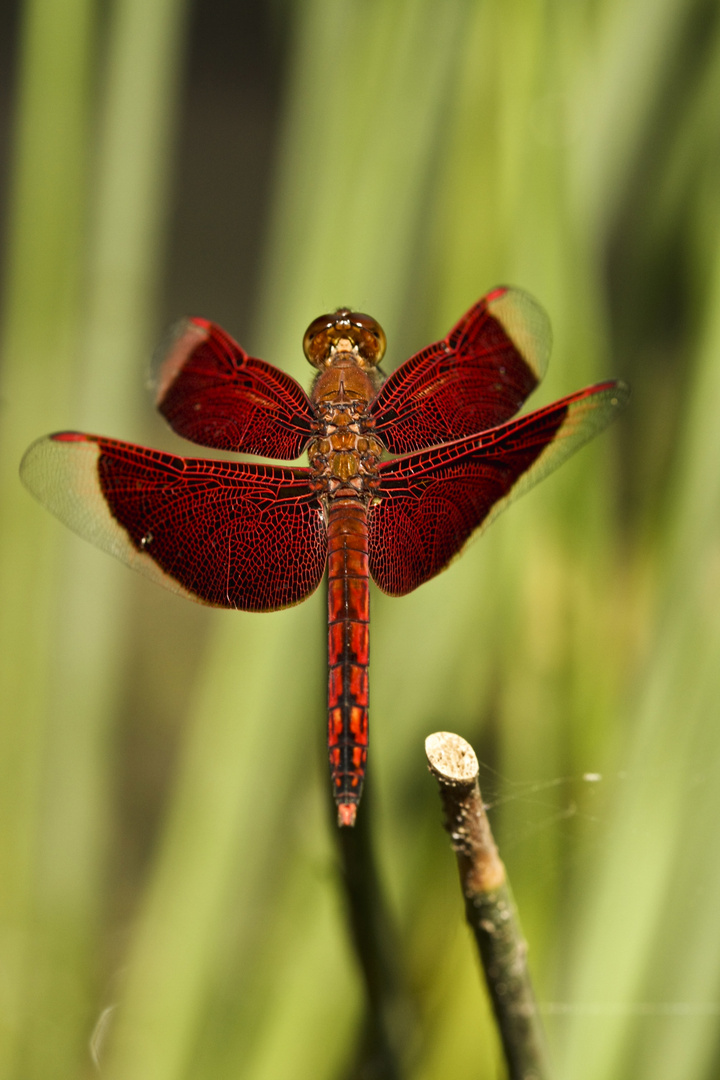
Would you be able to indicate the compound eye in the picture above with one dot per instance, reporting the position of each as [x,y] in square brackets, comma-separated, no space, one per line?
[326,331]
[317,341]
[369,336]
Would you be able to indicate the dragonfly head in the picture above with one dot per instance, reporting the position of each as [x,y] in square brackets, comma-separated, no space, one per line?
[344,331]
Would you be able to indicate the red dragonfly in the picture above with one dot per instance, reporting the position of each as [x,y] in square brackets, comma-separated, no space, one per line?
[257,538]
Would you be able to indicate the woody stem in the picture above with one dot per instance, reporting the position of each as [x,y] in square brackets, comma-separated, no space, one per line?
[489,907]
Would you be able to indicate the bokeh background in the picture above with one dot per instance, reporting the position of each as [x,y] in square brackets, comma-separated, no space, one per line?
[168,875]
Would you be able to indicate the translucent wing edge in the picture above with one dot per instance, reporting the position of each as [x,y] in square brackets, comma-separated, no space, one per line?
[180,341]
[589,412]
[526,324]
[61,472]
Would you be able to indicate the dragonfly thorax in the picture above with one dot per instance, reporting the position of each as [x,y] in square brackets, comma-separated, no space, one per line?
[345,453]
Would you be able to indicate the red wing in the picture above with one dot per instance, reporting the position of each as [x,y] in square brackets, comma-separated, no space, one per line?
[475,378]
[211,392]
[226,533]
[430,503]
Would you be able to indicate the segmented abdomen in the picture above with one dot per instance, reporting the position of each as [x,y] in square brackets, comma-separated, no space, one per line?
[348,652]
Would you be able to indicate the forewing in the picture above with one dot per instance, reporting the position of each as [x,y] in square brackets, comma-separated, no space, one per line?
[225,533]
[211,392]
[474,379]
[431,502]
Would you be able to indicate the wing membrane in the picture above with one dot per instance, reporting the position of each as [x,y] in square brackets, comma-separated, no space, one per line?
[225,533]
[211,392]
[430,503]
[475,378]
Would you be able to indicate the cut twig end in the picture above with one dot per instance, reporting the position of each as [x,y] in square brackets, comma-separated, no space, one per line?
[454,765]
[451,758]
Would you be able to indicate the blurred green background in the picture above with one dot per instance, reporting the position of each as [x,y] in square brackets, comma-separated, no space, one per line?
[167,866]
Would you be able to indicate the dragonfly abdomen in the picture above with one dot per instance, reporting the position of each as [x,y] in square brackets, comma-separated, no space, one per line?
[348,652]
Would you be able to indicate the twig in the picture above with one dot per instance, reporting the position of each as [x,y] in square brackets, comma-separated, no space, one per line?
[489,906]
[390,1032]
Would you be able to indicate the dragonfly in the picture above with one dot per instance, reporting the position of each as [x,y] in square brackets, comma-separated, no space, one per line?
[402,472]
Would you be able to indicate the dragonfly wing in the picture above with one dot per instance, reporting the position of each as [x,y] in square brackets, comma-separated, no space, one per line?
[475,378]
[211,392]
[230,534]
[430,503]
